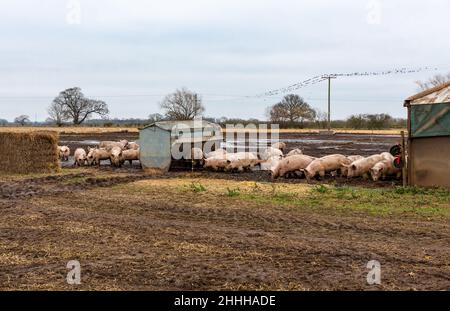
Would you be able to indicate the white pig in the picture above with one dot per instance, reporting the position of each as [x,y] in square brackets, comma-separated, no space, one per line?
[279,145]
[80,157]
[130,155]
[96,155]
[325,164]
[352,158]
[271,152]
[64,153]
[383,169]
[362,167]
[294,152]
[292,163]
[116,156]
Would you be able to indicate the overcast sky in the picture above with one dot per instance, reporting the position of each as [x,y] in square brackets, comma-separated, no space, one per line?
[130,53]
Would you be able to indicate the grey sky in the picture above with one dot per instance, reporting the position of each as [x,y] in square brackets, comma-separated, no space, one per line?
[131,53]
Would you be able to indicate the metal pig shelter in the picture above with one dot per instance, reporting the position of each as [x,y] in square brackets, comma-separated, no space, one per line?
[158,139]
[429,137]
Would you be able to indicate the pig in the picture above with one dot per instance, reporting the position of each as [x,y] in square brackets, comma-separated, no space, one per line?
[241,160]
[216,153]
[241,164]
[108,145]
[279,145]
[294,152]
[115,155]
[387,156]
[384,168]
[271,152]
[96,155]
[325,164]
[362,167]
[228,161]
[80,157]
[130,155]
[355,157]
[271,157]
[270,164]
[216,163]
[132,146]
[292,163]
[352,158]
[64,153]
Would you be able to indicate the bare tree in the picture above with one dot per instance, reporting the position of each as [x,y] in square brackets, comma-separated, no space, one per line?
[77,107]
[155,117]
[182,105]
[433,81]
[57,113]
[22,119]
[292,109]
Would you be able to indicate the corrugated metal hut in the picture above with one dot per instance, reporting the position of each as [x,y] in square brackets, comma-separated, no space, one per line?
[429,137]
[162,142]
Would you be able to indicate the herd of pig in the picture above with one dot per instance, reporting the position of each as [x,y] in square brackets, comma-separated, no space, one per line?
[295,163]
[117,153]
[273,159]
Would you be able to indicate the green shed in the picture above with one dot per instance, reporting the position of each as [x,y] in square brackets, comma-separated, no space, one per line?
[166,143]
[429,137]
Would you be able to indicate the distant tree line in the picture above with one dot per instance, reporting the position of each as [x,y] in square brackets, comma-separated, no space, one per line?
[364,121]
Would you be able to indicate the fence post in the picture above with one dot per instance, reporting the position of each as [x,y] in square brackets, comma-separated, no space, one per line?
[404,168]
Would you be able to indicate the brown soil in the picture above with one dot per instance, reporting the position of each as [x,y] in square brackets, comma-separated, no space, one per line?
[135,231]
[161,236]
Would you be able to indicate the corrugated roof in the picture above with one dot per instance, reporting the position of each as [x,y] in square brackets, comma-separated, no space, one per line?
[169,125]
[435,95]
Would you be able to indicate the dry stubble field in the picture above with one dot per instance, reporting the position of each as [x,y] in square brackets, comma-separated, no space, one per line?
[202,230]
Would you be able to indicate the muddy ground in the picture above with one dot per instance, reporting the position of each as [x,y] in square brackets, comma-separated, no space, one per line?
[221,231]
[312,144]
[138,232]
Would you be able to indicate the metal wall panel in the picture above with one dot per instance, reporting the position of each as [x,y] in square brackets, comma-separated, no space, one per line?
[155,148]
[429,161]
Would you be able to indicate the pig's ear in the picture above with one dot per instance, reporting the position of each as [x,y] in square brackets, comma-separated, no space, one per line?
[346,165]
[381,168]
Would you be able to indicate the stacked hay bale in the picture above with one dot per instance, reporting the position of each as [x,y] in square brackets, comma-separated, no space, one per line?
[29,152]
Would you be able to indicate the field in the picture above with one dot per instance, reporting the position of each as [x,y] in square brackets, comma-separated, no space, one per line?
[202,230]
[105,130]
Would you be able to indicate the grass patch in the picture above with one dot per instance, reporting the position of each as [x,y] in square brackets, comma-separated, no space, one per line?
[233,192]
[383,202]
[197,187]
[319,198]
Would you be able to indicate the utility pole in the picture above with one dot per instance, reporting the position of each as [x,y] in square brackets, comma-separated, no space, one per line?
[329,100]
